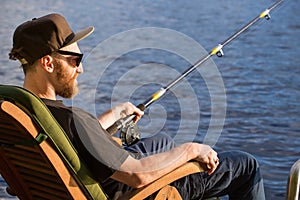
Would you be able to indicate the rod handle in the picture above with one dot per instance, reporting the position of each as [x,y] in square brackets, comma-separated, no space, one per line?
[113,129]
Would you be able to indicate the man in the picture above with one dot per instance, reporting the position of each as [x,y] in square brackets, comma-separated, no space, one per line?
[51,59]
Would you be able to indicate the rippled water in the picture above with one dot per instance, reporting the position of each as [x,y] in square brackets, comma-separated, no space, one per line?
[260,71]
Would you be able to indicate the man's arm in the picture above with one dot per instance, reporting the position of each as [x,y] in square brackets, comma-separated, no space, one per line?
[138,173]
[109,117]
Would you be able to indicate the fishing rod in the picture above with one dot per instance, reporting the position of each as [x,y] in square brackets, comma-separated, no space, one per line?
[127,123]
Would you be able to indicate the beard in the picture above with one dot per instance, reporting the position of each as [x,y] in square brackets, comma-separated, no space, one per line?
[65,87]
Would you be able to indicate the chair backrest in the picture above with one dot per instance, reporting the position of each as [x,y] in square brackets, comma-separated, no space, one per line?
[37,158]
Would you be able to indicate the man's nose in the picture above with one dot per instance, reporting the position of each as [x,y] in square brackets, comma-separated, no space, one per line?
[80,68]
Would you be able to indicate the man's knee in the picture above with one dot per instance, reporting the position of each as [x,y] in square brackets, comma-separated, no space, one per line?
[240,161]
[250,162]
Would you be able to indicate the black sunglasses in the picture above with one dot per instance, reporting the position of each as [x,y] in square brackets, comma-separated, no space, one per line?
[78,58]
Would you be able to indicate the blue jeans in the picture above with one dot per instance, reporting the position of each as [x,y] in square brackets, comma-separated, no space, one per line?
[237,175]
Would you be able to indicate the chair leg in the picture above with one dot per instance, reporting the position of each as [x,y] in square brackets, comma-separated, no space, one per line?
[168,193]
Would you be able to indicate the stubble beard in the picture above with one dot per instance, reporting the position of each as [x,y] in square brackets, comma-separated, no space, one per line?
[66,88]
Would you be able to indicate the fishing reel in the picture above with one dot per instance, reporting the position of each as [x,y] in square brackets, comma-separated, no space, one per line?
[130,133]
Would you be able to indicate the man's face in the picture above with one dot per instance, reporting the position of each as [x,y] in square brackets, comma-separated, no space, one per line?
[66,85]
[66,72]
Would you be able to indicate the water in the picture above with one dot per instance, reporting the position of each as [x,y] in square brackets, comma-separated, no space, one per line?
[259,72]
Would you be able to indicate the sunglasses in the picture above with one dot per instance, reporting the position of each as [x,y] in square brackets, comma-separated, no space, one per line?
[78,56]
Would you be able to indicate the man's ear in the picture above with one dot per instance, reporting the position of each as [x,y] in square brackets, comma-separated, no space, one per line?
[47,63]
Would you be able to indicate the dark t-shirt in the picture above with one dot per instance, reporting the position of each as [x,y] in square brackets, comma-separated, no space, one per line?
[94,145]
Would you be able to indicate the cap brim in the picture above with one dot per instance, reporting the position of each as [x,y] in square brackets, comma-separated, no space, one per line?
[81,35]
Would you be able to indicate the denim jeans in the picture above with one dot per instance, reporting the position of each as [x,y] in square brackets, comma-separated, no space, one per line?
[237,175]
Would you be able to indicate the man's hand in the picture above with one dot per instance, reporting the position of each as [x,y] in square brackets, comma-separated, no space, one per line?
[209,157]
[109,117]
[126,109]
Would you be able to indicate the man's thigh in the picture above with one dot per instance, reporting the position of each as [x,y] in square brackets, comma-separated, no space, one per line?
[151,145]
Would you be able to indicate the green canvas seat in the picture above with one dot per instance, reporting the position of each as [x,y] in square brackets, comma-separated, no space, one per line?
[40,114]
[45,165]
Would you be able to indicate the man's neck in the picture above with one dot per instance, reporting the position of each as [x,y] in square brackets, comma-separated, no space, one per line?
[39,88]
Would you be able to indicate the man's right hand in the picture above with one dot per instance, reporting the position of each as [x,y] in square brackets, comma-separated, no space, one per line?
[122,110]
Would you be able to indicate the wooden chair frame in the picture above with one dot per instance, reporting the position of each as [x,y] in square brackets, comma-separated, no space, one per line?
[37,171]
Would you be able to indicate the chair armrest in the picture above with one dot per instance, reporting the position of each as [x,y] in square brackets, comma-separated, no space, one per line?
[184,170]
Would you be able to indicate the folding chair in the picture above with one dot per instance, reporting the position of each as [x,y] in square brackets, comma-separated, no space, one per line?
[38,161]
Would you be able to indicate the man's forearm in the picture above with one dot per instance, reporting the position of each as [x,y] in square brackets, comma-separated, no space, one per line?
[137,173]
[106,119]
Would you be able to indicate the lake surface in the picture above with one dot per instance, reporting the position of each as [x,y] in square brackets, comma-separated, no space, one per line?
[248,100]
